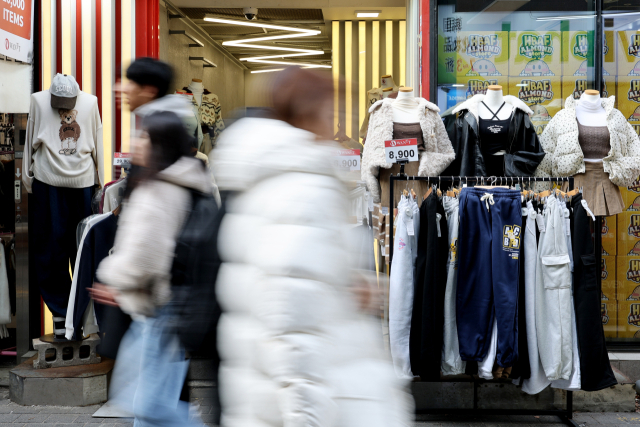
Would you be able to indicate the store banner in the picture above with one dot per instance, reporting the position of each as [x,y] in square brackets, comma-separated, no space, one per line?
[16,29]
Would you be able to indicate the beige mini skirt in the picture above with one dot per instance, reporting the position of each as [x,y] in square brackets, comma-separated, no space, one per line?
[602,196]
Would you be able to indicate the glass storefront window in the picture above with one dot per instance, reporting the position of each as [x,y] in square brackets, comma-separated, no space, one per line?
[538,55]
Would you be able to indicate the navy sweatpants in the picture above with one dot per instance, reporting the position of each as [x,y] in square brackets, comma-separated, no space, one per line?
[55,214]
[488,272]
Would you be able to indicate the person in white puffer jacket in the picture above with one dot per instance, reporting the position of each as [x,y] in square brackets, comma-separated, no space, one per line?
[297,340]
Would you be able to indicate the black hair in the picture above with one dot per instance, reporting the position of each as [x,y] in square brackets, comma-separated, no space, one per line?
[169,142]
[151,72]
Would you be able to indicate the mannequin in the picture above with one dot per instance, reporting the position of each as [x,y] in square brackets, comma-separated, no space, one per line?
[197,88]
[386,81]
[405,107]
[494,99]
[589,110]
[387,92]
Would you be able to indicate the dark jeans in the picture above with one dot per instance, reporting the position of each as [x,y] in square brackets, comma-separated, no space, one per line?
[55,214]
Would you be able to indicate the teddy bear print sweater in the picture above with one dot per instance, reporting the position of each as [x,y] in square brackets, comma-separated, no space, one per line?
[63,147]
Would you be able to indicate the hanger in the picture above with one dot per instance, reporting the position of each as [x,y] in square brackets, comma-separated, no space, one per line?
[117,210]
[340,135]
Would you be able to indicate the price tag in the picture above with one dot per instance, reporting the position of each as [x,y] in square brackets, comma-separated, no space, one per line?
[121,159]
[347,160]
[401,150]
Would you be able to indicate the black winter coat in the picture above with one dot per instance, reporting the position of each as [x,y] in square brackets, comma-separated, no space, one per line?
[465,137]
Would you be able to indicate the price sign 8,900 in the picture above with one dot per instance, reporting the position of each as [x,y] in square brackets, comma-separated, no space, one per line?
[397,150]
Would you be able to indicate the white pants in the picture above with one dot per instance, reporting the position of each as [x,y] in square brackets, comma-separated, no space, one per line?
[553,296]
[452,364]
[405,251]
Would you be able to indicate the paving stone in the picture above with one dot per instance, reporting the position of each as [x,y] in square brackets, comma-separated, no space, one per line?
[8,418]
[61,418]
[610,418]
[31,418]
[11,425]
[17,409]
[88,419]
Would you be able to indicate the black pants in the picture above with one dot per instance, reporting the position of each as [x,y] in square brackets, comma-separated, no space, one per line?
[55,214]
[522,366]
[427,321]
[595,368]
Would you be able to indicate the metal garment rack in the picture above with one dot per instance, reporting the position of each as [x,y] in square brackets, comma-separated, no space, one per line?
[565,415]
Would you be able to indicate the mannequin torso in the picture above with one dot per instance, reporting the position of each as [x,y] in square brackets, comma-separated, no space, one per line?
[406,107]
[494,104]
[590,113]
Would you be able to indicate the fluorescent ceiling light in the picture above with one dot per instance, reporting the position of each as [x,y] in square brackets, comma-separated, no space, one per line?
[307,65]
[564,18]
[267,71]
[606,15]
[249,43]
[367,13]
[522,84]
[457,85]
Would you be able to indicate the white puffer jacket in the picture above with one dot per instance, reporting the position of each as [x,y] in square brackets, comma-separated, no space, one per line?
[564,155]
[295,349]
[434,160]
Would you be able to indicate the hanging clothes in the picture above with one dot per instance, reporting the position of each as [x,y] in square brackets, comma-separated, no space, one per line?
[452,364]
[405,252]
[522,367]
[553,294]
[427,318]
[595,368]
[489,245]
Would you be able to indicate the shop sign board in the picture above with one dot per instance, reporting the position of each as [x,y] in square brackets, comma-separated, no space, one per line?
[397,150]
[16,29]
[121,159]
[347,159]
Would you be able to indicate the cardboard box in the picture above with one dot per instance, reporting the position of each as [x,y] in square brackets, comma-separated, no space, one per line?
[628,53]
[629,100]
[576,48]
[472,54]
[609,313]
[535,53]
[608,275]
[542,94]
[610,54]
[609,236]
[627,278]
[628,319]
[631,196]
[629,248]
[576,85]
[628,226]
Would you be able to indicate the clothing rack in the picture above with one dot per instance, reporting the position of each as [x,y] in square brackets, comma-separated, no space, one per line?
[565,415]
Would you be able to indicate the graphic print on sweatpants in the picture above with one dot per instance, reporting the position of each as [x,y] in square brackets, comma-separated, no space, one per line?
[69,131]
[405,252]
[488,271]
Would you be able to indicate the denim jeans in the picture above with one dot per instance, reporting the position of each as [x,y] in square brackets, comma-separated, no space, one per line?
[149,373]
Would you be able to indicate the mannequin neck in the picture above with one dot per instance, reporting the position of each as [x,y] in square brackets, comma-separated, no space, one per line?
[196,85]
[494,99]
[406,108]
[590,102]
[405,95]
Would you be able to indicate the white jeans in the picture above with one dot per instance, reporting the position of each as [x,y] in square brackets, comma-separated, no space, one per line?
[405,251]
[452,364]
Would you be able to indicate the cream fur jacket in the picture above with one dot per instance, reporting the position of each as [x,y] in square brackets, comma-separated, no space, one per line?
[151,220]
[564,155]
[439,151]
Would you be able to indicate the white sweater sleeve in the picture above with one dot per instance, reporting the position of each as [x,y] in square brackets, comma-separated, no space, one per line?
[98,154]
[27,176]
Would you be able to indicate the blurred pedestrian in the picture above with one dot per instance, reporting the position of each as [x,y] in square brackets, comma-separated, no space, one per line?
[151,366]
[298,343]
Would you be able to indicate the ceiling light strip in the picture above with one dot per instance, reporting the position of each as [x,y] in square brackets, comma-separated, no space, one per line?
[286,55]
[262,61]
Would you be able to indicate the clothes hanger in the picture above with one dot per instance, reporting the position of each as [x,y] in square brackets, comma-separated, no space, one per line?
[340,135]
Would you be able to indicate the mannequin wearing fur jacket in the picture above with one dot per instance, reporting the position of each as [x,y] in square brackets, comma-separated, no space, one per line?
[434,158]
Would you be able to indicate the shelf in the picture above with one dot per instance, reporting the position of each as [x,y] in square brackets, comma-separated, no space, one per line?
[196,42]
[207,63]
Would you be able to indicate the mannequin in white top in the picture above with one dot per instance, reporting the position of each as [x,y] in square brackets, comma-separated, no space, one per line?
[405,107]
[494,100]
[197,88]
[590,112]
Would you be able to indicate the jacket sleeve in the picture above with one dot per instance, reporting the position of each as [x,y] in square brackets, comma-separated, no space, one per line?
[626,168]
[548,142]
[27,173]
[98,156]
[439,154]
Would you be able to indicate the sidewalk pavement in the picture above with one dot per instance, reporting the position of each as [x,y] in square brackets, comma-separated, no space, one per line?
[583,419]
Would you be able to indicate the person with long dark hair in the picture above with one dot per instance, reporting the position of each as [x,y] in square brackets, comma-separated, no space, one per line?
[151,366]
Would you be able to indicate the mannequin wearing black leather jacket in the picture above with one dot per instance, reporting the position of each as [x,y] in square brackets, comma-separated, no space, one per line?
[524,151]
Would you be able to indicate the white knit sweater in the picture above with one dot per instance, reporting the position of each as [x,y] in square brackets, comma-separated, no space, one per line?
[63,147]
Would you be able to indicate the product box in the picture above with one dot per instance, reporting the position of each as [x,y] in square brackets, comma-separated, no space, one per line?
[609,313]
[628,53]
[628,226]
[535,53]
[542,94]
[466,87]
[608,275]
[628,319]
[576,85]
[629,100]
[609,236]
[631,196]
[576,48]
[473,54]
[610,51]
[628,278]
